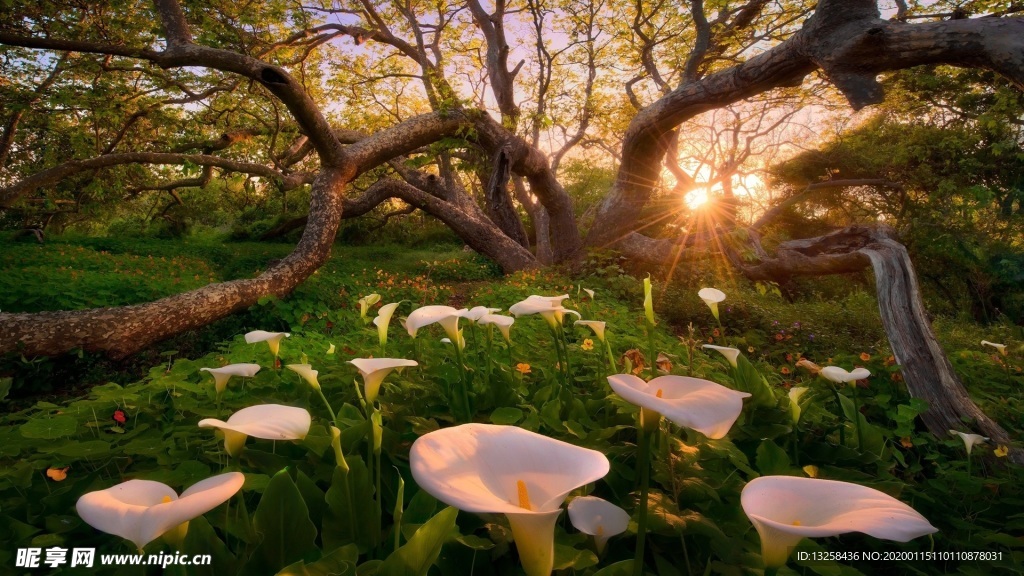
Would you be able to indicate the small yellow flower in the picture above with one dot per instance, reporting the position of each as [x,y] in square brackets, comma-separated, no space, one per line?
[864,356]
[1001,451]
[588,344]
[811,470]
[906,442]
[523,368]
[750,349]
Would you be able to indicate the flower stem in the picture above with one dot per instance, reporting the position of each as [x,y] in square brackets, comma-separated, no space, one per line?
[565,351]
[653,351]
[856,419]
[611,357]
[487,358]
[464,385]
[334,419]
[644,468]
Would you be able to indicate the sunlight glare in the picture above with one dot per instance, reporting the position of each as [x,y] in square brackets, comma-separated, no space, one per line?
[696,198]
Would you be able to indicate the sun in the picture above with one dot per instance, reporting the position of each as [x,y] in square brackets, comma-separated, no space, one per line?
[696,198]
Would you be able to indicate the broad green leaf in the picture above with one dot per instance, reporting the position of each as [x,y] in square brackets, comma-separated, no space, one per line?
[282,523]
[506,415]
[417,556]
[49,428]
[771,459]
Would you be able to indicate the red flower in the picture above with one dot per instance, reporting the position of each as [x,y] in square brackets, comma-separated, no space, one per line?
[119,417]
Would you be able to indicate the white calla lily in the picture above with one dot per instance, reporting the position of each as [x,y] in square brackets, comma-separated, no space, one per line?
[970,440]
[701,405]
[364,304]
[224,373]
[549,307]
[596,325]
[731,354]
[374,370]
[794,402]
[383,320]
[786,509]
[273,339]
[1000,347]
[446,316]
[266,421]
[589,292]
[475,313]
[711,297]
[462,341]
[142,510]
[504,323]
[486,468]
[649,301]
[841,376]
[307,373]
[598,518]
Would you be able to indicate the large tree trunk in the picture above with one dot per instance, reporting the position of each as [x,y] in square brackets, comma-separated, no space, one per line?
[120,332]
[926,370]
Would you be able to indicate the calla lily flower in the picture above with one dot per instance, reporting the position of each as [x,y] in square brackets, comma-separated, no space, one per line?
[649,301]
[504,323]
[330,349]
[596,325]
[970,440]
[701,405]
[1000,347]
[374,370]
[711,297]
[589,292]
[475,313]
[383,320]
[224,373]
[266,421]
[273,339]
[840,376]
[485,468]
[549,307]
[446,316]
[142,510]
[598,518]
[307,373]
[364,305]
[731,354]
[786,509]
[794,402]
[462,341]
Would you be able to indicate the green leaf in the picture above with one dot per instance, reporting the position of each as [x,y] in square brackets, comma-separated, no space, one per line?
[282,522]
[771,459]
[351,510]
[339,562]
[506,415]
[49,428]
[567,557]
[622,568]
[422,550]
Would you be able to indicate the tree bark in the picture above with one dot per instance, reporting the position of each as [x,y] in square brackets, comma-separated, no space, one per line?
[499,202]
[120,332]
[924,365]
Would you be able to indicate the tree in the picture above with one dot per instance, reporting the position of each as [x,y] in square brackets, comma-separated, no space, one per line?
[265,65]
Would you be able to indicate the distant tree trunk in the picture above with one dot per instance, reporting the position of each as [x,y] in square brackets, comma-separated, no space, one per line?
[499,202]
[926,369]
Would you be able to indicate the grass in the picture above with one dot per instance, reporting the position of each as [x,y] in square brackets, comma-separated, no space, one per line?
[694,522]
